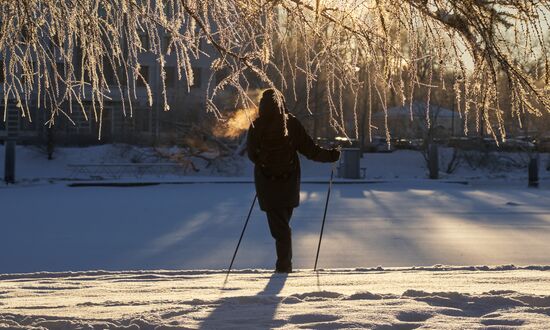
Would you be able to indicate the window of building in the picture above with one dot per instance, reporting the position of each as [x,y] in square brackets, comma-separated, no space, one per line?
[82,125]
[144,71]
[143,120]
[60,67]
[166,40]
[109,73]
[25,124]
[121,75]
[144,39]
[77,63]
[170,80]
[197,77]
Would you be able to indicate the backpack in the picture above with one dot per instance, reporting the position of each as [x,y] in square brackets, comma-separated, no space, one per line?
[276,154]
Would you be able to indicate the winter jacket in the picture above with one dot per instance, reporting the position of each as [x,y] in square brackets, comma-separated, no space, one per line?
[281,192]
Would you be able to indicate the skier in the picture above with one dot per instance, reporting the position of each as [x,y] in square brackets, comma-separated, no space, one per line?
[277,169]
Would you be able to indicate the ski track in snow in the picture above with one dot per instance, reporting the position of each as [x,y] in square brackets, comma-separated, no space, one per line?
[437,297]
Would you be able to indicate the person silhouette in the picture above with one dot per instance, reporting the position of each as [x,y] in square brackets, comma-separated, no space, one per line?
[273,142]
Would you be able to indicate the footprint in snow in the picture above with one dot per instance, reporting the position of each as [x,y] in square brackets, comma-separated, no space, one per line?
[312,318]
[412,316]
[398,326]
[319,295]
[502,322]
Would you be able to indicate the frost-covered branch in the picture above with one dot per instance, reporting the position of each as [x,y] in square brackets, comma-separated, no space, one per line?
[60,54]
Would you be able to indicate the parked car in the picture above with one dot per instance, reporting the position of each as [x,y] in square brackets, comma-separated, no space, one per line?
[378,144]
[345,142]
[339,141]
[325,142]
[473,143]
[400,143]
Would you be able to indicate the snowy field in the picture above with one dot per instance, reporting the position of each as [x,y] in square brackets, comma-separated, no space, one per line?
[33,166]
[251,299]
[53,227]
[56,238]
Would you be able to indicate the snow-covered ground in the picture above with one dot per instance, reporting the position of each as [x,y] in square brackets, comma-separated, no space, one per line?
[396,218]
[436,298]
[53,227]
[32,165]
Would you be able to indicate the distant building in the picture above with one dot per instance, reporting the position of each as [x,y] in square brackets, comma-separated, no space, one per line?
[444,122]
[145,125]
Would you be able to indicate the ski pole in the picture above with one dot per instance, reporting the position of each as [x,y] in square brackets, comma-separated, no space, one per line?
[242,234]
[324,217]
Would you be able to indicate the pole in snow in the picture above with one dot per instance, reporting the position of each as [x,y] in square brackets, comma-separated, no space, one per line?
[324,218]
[534,171]
[9,163]
[240,238]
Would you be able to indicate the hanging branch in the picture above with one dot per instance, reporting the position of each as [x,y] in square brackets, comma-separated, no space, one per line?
[57,53]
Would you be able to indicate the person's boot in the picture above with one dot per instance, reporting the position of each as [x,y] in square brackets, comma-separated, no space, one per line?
[284,256]
[283,267]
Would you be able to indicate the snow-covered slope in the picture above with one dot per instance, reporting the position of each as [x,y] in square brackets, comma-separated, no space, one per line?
[435,298]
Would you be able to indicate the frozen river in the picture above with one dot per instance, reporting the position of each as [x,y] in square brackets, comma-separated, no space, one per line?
[53,227]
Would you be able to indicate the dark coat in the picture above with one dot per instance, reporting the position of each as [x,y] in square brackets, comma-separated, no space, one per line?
[274,193]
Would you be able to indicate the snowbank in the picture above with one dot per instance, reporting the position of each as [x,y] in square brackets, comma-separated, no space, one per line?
[256,299]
